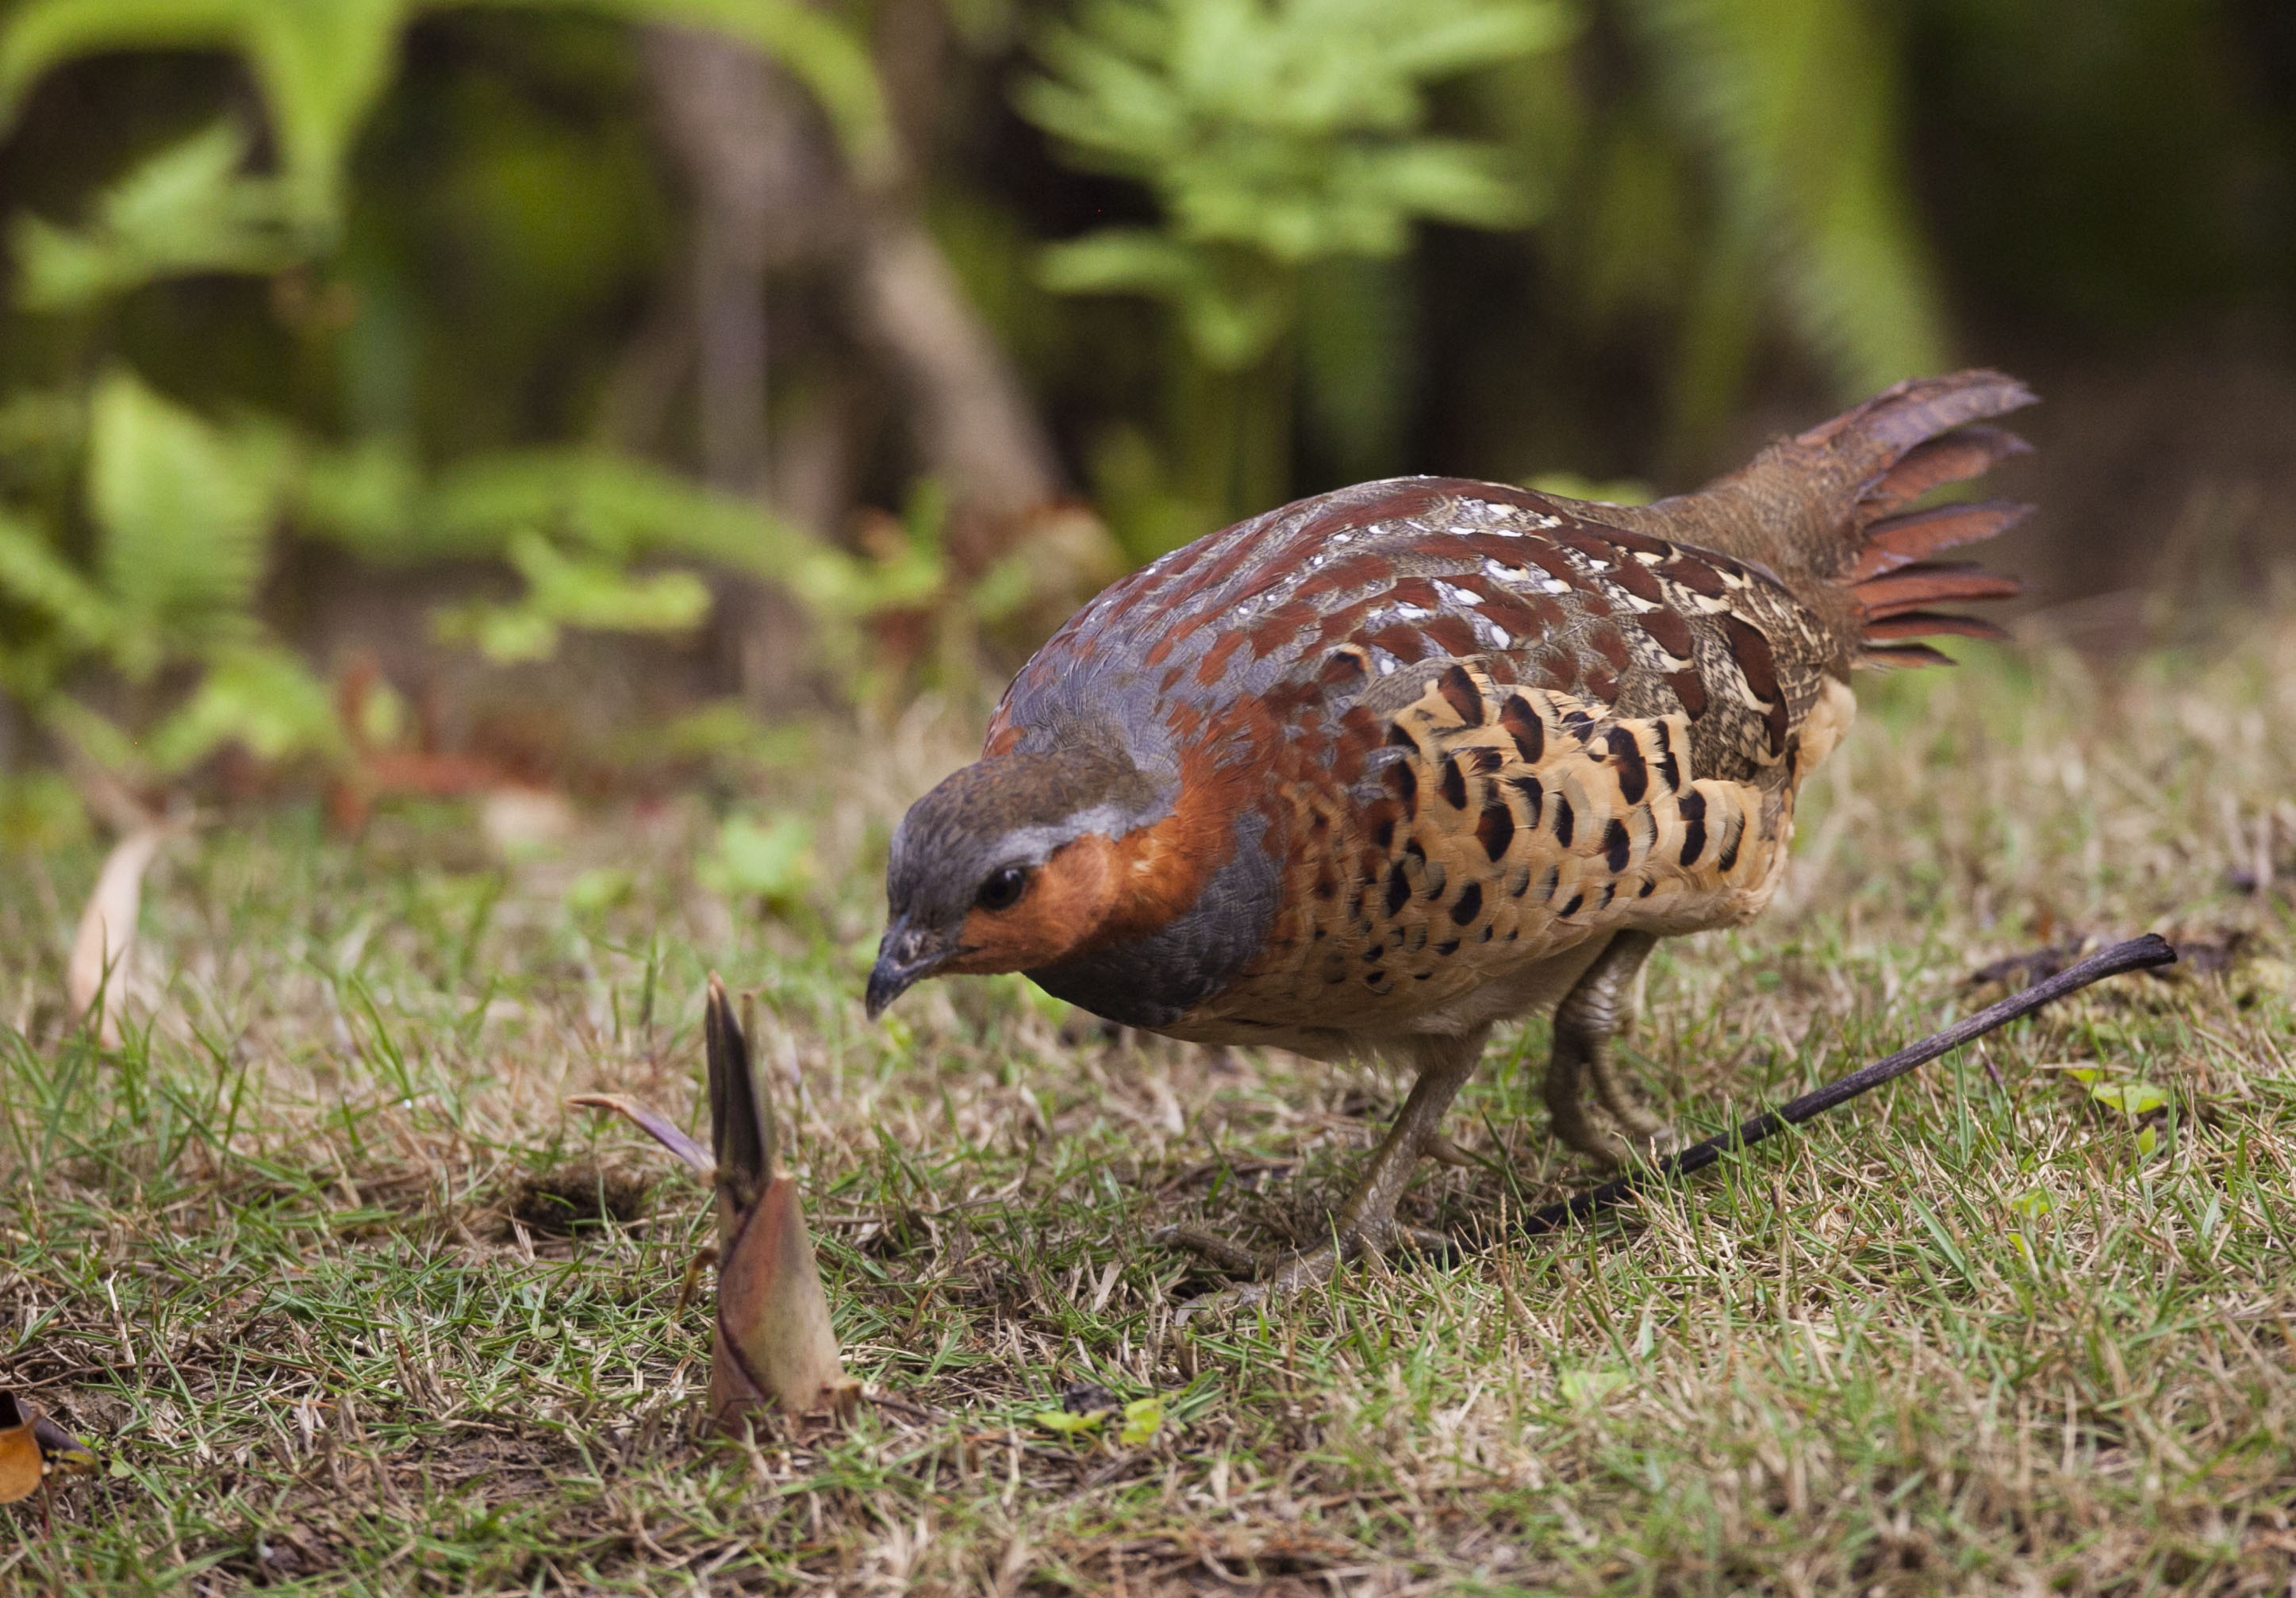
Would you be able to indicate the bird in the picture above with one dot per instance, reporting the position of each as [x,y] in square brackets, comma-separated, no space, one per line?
[1371,773]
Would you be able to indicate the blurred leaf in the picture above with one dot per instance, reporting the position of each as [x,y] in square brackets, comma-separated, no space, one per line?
[185,209]
[599,889]
[1592,1387]
[320,64]
[185,515]
[1274,134]
[564,591]
[2148,1140]
[380,717]
[90,731]
[1066,1424]
[42,425]
[1233,307]
[717,727]
[257,695]
[617,509]
[372,498]
[1797,102]
[1004,588]
[622,508]
[2033,1205]
[593,594]
[1570,485]
[501,633]
[34,574]
[771,861]
[2132,1099]
[40,813]
[1143,1418]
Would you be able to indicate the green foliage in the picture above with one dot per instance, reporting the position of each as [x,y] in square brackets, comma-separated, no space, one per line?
[186,210]
[769,860]
[180,516]
[1275,138]
[2132,1099]
[322,65]
[257,695]
[1272,135]
[184,514]
[183,510]
[570,522]
[821,52]
[39,579]
[1143,1418]
[40,814]
[571,591]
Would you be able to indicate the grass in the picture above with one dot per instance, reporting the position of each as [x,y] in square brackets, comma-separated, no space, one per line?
[350,1302]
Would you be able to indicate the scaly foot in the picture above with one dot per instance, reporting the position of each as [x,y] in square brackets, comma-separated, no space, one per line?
[1281,1274]
[1591,1015]
[1367,1222]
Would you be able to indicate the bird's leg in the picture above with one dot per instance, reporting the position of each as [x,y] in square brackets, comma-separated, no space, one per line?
[1592,1014]
[1367,1219]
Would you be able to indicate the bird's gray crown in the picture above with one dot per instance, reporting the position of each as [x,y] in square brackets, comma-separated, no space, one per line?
[1013,809]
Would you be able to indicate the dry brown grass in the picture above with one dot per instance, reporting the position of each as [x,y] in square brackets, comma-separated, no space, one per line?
[284,1259]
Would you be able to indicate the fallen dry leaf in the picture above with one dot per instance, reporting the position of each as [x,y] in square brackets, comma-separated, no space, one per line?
[31,1445]
[107,930]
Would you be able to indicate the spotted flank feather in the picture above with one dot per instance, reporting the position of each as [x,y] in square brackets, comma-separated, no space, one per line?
[1498,827]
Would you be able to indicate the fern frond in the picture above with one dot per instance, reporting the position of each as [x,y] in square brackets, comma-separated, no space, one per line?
[34,575]
[1796,102]
[184,516]
[1288,130]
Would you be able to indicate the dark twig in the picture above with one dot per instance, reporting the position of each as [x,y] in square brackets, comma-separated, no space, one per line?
[2137,955]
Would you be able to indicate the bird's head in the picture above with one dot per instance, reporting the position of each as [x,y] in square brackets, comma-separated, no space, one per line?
[1012,863]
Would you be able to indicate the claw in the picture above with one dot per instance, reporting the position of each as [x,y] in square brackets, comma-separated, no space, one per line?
[1280,1275]
[1366,1223]
[1232,1257]
[1444,1151]
[1219,1305]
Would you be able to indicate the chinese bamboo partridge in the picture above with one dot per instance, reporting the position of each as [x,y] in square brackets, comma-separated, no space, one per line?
[1372,773]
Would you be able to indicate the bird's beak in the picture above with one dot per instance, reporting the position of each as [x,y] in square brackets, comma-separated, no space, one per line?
[907,955]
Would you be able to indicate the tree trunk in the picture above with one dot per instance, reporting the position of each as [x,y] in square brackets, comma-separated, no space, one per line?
[973,422]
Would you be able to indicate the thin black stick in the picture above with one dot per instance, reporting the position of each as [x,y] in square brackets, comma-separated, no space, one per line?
[2136,954]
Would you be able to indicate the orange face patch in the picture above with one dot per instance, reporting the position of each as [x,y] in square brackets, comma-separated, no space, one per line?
[1067,901]
[1095,890]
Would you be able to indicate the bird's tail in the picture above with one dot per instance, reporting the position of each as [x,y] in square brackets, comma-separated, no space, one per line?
[1829,505]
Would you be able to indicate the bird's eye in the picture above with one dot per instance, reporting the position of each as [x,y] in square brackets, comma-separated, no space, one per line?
[1003,888]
